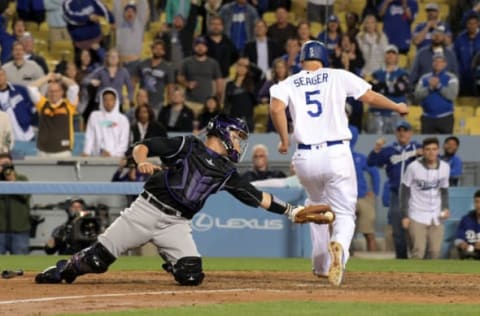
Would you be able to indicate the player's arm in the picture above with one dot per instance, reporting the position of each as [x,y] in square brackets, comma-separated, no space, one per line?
[155,146]
[379,101]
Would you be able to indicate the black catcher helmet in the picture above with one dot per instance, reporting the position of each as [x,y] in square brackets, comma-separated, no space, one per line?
[221,126]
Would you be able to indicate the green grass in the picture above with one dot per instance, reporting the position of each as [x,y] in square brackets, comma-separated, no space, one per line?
[37,263]
[306,308]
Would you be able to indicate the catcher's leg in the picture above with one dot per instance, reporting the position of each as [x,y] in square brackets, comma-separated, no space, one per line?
[94,259]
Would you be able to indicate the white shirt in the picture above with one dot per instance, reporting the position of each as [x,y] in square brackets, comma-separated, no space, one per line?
[316,101]
[424,205]
[262,55]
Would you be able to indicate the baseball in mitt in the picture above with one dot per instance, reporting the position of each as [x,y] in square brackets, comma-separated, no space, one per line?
[318,214]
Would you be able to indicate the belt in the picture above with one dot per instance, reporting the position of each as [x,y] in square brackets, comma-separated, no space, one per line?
[152,200]
[325,144]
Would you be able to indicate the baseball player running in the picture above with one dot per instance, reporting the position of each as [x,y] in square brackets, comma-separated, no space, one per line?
[171,197]
[323,160]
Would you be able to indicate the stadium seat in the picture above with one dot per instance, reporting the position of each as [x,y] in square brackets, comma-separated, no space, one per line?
[413,117]
[356,6]
[269,18]
[62,50]
[403,61]
[461,114]
[472,101]
[472,126]
[260,118]
[477,111]
[315,28]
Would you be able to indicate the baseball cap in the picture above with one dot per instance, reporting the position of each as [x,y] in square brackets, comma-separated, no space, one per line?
[200,40]
[403,124]
[391,48]
[438,55]
[431,7]
[131,5]
[332,18]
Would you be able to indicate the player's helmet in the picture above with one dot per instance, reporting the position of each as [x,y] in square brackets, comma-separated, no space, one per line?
[221,126]
[314,50]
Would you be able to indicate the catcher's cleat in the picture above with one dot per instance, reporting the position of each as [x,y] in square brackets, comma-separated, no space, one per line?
[50,275]
[335,273]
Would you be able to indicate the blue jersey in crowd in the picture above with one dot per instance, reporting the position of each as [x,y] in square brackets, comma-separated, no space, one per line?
[456,165]
[428,36]
[394,85]
[395,158]
[469,229]
[396,25]
[465,49]
[435,104]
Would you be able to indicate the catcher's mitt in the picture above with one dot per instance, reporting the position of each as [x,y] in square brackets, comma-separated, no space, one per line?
[319,214]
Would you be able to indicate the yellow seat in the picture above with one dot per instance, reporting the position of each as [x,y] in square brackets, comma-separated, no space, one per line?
[477,111]
[403,61]
[315,28]
[413,117]
[260,117]
[269,18]
[357,6]
[471,101]
[472,125]
[464,111]
[62,50]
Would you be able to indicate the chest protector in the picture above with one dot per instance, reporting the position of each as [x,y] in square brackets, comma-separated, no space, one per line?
[196,174]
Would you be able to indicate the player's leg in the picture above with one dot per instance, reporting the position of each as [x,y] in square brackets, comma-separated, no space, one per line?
[320,236]
[177,247]
[398,232]
[133,228]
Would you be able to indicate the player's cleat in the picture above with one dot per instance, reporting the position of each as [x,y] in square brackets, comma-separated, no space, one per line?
[319,275]
[50,275]
[66,271]
[335,273]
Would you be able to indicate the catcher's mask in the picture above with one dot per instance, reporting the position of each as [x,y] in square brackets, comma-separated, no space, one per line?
[231,131]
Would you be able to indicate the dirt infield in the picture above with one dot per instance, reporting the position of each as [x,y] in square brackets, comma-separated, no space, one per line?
[130,290]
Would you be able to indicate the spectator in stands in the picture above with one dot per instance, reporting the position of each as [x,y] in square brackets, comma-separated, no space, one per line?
[281,30]
[178,39]
[365,208]
[239,18]
[20,70]
[210,10]
[348,56]
[422,63]
[398,16]
[177,116]
[31,11]
[63,239]
[437,91]
[83,21]
[107,132]
[422,35]
[467,238]
[176,7]
[6,133]
[14,212]
[467,45]
[57,27]
[197,74]
[55,114]
[262,50]
[396,157]
[18,28]
[424,201]
[16,102]
[352,21]
[145,125]
[303,32]
[211,109]
[220,47]
[372,43]
[27,42]
[319,10]
[6,43]
[127,172]
[111,75]
[332,34]
[141,98]
[279,73]
[131,20]
[87,61]
[260,169]
[450,147]
[240,93]
[292,57]
[156,76]
[393,82]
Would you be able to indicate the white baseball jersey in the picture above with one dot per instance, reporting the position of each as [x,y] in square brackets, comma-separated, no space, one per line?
[316,100]
[425,184]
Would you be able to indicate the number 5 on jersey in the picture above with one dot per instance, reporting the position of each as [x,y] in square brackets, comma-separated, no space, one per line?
[310,100]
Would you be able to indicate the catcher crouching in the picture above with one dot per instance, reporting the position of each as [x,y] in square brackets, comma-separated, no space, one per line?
[193,170]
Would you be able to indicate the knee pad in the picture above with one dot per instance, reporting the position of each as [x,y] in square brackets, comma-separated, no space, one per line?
[94,259]
[188,271]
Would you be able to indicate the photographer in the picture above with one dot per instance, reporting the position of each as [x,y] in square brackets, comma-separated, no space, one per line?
[79,231]
[14,212]
[127,172]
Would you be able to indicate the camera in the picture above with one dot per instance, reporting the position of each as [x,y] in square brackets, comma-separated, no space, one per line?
[7,170]
[86,227]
